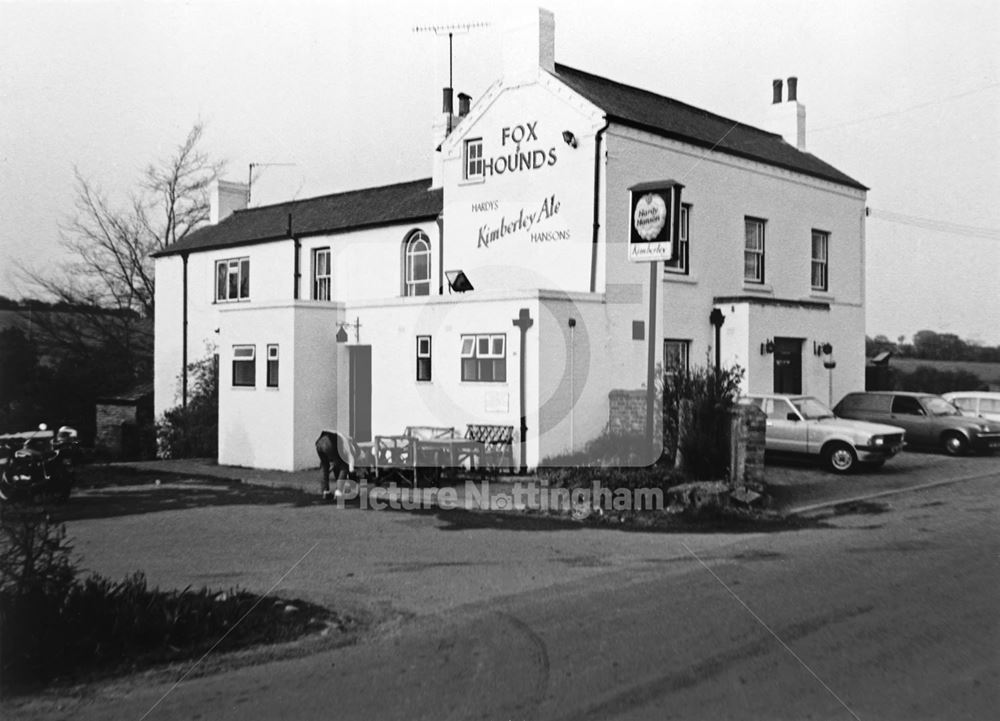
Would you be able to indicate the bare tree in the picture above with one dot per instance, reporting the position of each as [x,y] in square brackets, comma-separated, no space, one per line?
[106,285]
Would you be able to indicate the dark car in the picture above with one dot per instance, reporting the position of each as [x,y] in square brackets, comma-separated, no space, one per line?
[929,420]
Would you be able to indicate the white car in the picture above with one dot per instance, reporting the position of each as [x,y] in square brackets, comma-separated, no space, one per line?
[805,426]
[984,404]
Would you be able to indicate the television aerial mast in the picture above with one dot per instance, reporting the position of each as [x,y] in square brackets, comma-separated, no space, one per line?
[451,30]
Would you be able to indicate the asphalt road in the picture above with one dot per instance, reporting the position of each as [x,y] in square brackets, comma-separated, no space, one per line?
[885,611]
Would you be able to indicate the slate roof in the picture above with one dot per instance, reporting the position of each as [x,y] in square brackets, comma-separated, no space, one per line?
[670,118]
[367,208]
[415,201]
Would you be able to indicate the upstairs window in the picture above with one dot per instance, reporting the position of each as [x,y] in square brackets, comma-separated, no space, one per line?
[245,365]
[753,251]
[820,260]
[417,264]
[484,358]
[679,263]
[321,274]
[474,167]
[423,357]
[232,280]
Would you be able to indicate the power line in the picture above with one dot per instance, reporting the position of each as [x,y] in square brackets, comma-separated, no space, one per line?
[941,226]
[938,101]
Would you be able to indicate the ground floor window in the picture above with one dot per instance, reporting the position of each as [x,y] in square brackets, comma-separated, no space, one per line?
[423,357]
[484,358]
[245,365]
[675,355]
[272,366]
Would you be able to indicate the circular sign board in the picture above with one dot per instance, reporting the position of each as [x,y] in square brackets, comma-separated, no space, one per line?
[650,216]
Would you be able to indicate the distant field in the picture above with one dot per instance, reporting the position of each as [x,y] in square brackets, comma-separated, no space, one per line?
[987,372]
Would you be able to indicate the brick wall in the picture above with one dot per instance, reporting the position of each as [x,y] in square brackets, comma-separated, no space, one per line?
[627,411]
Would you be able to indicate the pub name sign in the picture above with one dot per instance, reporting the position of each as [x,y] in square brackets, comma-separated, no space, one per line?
[654,221]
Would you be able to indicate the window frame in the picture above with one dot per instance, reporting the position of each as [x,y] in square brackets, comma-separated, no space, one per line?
[272,359]
[821,264]
[224,280]
[757,254]
[473,165]
[238,362]
[684,344]
[424,359]
[680,264]
[321,282]
[412,286]
[476,358]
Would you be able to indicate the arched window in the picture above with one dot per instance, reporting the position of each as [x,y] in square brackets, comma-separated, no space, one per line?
[417,264]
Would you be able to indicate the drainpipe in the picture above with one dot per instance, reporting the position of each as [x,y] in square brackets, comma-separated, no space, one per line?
[296,281]
[597,205]
[440,224]
[184,334]
[523,322]
[716,318]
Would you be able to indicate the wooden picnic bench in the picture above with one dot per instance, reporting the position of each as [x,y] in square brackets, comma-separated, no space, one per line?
[497,442]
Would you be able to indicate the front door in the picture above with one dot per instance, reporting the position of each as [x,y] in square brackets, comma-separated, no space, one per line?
[360,412]
[788,365]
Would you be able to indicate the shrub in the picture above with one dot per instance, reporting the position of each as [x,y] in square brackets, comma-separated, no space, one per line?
[928,379]
[57,625]
[193,432]
[704,443]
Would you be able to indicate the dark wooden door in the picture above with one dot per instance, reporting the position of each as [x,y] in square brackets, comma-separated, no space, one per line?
[788,365]
[360,415]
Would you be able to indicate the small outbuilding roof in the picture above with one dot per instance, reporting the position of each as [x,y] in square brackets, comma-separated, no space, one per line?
[670,118]
[371,207]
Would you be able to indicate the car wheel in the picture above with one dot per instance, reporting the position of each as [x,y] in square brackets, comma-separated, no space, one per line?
[840,458]
[955,444]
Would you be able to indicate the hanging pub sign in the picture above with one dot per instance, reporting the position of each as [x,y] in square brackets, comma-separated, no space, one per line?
[654,220]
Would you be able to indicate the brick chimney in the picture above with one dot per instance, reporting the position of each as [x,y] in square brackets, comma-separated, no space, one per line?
[225,197]
[787,117]
[529,44]
[443,125]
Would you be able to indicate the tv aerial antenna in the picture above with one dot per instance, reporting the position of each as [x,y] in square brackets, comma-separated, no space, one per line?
[262,165]
[451,30]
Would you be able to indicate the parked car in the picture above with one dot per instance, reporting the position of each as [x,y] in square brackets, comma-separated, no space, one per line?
[929,420]
[977,403]
[804,425]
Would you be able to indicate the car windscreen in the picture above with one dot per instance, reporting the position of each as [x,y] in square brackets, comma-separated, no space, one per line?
[940,407]
[811,409]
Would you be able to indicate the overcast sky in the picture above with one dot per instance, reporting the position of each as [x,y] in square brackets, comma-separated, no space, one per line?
[903,95]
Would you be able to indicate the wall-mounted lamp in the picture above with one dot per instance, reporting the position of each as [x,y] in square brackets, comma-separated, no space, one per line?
[458,281]
[767,347]
[822,348]
[569,138]
[342,336]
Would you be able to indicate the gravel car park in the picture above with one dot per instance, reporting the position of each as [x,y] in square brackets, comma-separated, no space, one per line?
[802,425]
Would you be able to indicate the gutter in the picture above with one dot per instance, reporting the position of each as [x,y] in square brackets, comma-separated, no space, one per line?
[597,204]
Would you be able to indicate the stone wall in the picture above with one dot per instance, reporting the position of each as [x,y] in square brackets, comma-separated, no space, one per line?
[747,436]
[111,419]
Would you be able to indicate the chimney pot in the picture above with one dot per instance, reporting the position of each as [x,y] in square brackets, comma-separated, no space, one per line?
[776,86]
[463,104]
[793,87]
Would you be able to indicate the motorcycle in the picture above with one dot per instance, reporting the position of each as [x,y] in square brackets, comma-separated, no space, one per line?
[42,466]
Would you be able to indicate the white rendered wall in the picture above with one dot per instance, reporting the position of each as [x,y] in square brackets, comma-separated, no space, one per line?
[531,227]
[722,191]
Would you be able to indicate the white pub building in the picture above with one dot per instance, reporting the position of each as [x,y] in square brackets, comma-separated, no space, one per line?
[502,286]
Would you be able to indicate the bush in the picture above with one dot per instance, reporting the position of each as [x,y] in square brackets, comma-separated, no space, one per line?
[704,443]
[56,625]
[927,379]
[193,432]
